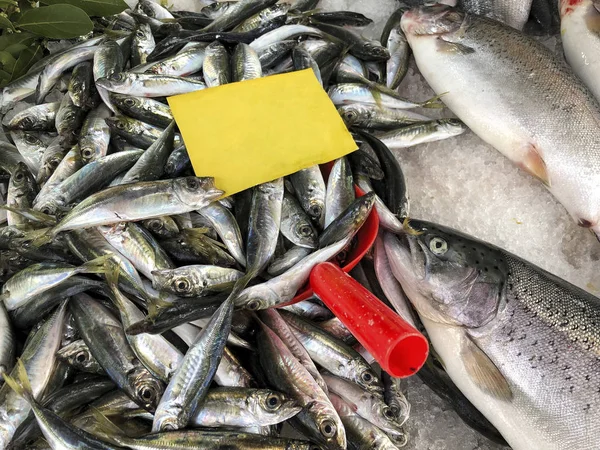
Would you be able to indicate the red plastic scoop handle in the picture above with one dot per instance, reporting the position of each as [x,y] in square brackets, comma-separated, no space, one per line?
[398,347]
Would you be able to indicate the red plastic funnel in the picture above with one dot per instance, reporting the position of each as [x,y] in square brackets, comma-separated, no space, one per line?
[399,348]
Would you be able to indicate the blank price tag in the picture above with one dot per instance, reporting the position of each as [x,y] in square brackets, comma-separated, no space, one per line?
[254,131]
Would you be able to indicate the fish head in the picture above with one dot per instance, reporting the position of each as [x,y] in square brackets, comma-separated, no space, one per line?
[122,124]
[326,425]
[118,82]
[452,127]
[162,226]
[196,191]
[355,114]
[22,181]
[375,50]
[274,404]
[125,102]
[364,376]
[147,389]
[77,355]
[306,234]
[178,281]
[362,207]
[432,20]
[257,297]
[450,278]
[143,33]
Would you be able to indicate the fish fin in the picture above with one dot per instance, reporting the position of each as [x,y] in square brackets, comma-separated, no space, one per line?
[534,164]
[32,215]
[39,237]
[137,327]
[96,265]
[434,102]
[483,371]
[453,47]
[111,273]
[107,430]
[21,384]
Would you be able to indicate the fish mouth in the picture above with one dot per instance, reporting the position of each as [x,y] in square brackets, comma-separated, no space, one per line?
[434,20]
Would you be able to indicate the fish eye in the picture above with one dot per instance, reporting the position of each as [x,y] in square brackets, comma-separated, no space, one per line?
[120,125]
[147,394]
[19,176]
[81,357]
[181,285]
[387,412]
[31,139]
[192,183]
[305,230]
[273,402]
[87,153]
[155,225]
[438,246]
[129,101]
[253,305]
[315,210]
[350,116]
[328,429]
[53,163]
[366,377]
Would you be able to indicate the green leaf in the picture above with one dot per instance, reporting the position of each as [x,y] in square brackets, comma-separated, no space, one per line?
[8,40]
[26,60]
[4,75]
[15,49]
[7,61]
[93,7]
[5,23]
[6,3]
[56,21]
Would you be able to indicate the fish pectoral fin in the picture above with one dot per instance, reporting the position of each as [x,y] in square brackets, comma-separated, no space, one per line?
[533,162]
[453,47]
[484,372]
[592,20]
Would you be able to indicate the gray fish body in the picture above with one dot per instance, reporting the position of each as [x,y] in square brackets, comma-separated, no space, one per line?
[95,135]
[216,68]
[87,180]
[245,63]
[189,384]
[150,85]
[340,190]
[108,61]
[310,190]
[318,417]
[145,109]
[141,45]
[521,344]
[7,342]
[397,65]
[420,133]
[283,263]
[231,373]
[295,223]
[139,201]
[38,358]
[68,118]
[224,223]
[242,407]
[530,94]
[70,164]
[80,84]
[52,71]
[31,145]
[187,62]
[237,13]
[366,115]
[19,90]
[193,281]
[21,193]
[346,225]
[35,118]
[52,157]
[106,339]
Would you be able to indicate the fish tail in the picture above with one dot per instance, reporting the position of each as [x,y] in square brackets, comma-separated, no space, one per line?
[107,430]
[111,273]
[434,102]
[32,215]
[21,384]
[96,265]
[40,237]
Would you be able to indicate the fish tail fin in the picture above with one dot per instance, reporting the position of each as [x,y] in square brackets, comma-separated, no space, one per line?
[40,237]
[434,102]
[21,384]
[111,273]
[32,215]
[96,265]
[107,430]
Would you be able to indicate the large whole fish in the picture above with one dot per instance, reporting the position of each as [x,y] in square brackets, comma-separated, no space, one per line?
[520,343]
[517,96]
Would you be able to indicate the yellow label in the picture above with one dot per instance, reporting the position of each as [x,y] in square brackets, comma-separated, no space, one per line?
[255,131]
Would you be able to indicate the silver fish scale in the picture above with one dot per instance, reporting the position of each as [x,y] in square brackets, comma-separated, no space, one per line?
[546,343]
[511,12]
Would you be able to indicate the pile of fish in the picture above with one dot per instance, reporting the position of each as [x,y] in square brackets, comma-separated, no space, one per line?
[142,307]
[138,300]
